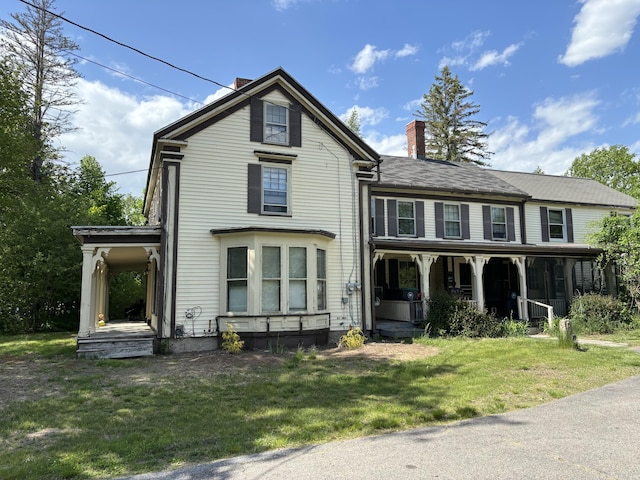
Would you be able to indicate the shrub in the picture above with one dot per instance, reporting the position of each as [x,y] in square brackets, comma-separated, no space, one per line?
[231,342]
[456,317]
[514,328]
[354,338]
[594,313]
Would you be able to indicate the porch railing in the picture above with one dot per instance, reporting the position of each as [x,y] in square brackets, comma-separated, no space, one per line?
[539,310]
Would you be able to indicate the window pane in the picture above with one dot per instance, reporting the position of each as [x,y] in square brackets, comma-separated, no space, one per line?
[451,229]
[322,295]
[274,187]
[498,215]
[406,227]
[555,216]
[270,262]
[321,257]
[297,295]
[237,296]
[499,230]
[556,231]
[452,213]
[275,127]
[237,262]
[405,209]
[297,262]
[270,295]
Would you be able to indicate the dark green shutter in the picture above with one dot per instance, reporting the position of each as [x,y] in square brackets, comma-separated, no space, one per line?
[419,219]
[464,217]
[569,219]
[544,223]
[511,225]
[295,126]
[254,188]
[256,120]
[439,206]
[393,218]
[380,217]
[486,222]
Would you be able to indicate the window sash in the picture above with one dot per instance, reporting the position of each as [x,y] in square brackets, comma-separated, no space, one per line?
[321,273]
[271,279]
[556,224]
[275,124]
[498,223]
[297,278]
[275,189]
[406,218]
[452,227]
[237,279]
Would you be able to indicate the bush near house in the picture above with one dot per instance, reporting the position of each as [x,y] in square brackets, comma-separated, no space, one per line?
[598,314]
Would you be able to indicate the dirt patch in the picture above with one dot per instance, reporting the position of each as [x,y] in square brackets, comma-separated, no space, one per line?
[33,378]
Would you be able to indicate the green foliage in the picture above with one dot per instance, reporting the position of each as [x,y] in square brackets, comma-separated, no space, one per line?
[104,205]
[231,342]
[354,338]
[125,289]
[451,133]
[450,316]
[594,313]
[614,166]
[353,122]
[514,328]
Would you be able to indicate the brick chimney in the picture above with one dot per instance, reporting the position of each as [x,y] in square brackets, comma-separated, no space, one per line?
[415,139]
[240,82]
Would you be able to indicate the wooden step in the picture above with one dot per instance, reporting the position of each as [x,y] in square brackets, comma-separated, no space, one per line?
[114,347]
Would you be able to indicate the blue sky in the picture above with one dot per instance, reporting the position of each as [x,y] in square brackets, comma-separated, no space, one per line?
[553,78]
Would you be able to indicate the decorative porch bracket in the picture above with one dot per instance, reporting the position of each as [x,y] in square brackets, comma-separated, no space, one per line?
[424,263]
[520,263]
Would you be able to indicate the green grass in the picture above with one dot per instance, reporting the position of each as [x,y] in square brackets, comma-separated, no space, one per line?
[103,422]
[42,344]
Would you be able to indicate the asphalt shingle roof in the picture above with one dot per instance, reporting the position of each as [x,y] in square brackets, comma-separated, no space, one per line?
[440,175]
[563,189]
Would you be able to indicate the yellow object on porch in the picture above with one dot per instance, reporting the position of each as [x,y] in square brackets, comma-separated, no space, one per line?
[101,320]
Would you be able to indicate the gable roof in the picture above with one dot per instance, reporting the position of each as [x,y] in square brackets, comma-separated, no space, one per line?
[443,176]
[183,128]
[561,189]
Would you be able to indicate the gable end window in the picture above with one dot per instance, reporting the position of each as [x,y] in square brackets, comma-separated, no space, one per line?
[275,124]
[269,189]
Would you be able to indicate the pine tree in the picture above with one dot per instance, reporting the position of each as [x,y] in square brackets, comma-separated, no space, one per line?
[450,131]
[36,44]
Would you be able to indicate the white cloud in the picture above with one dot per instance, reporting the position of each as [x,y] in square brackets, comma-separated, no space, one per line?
[367,83]
[387,145]
[368,116]
[452,62]
[551,141]
[602,27]
[282,5]
[221,92]
[492,57]
[367,58]
[472,42]
[117,129]
[407,51]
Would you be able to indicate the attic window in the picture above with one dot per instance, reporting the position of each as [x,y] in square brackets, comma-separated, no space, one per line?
[276,124]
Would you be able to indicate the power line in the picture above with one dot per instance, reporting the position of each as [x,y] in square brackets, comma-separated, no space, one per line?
[127,46]
[131,77]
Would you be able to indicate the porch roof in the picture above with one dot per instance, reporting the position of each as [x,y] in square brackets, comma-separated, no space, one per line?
[494,248]
[108,235]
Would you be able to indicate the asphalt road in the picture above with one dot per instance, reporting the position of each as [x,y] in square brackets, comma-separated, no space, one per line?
[591,435]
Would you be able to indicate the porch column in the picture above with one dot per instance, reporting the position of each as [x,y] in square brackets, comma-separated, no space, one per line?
[477,268]
[87,288]
[424,262]
[523,306]
[569,263]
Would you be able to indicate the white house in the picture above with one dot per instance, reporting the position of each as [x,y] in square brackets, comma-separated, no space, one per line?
[266,213]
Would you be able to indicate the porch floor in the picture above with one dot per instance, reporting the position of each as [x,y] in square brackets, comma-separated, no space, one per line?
[118,339]
[398,329]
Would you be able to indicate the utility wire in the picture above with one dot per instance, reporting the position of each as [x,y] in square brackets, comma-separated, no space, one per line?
[131,77]
[127,46]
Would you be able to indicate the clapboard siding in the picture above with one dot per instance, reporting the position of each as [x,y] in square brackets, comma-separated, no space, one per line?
[213,195]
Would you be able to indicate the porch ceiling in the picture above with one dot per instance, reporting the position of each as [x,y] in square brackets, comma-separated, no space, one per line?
[127,259]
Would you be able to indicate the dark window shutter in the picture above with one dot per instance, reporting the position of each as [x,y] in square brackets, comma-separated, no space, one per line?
[439,219]
[569,219]
[379,217]
[254,188]
[295,126]
[544,223]
[393,218]
[464,217]
[486,222]
[419,219]
[511,225]
[257,117]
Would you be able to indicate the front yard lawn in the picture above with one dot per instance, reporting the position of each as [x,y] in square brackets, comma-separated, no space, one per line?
[67,418]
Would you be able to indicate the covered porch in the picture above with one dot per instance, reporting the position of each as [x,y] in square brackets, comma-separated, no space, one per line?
[108,251]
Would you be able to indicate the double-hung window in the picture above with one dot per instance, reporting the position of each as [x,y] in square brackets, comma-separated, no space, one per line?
[297,278]
[406,218]
[321,280]
[498,223]
[275,124]
[452,221]
[237,279]
[556,224]
[271,279]
[275,189]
